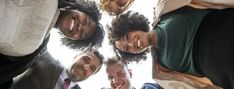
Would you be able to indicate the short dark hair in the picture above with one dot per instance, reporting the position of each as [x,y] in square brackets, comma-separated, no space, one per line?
[91,9]
[114,60]
[100,57]
[123,24]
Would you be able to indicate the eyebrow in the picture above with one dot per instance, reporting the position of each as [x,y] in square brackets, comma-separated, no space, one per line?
[87,20]
[93,68]
[86,58]
[125,40]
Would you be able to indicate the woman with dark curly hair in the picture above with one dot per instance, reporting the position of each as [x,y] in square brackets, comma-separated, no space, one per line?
[80,29]
[127,23]
[29,23]
[191,41]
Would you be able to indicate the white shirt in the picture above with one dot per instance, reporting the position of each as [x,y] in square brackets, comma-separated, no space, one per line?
[165,6]
[24,25]
[60,81]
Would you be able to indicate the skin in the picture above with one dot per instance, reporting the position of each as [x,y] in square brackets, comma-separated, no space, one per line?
[136,41]
[118,6]
[85,66]
[76,25]
[119,76]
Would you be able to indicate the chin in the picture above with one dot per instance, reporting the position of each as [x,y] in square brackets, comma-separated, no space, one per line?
[80,79]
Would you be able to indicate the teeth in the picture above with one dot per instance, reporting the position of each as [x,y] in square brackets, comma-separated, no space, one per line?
[72,24]
[138,43]
[119,86]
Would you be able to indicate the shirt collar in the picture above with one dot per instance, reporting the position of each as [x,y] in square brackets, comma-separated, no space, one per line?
[64,75]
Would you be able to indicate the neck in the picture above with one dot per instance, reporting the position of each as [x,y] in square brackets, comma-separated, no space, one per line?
[153,38]
[68,74]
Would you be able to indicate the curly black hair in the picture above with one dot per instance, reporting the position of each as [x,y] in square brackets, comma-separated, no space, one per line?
[127,22]
[91,9]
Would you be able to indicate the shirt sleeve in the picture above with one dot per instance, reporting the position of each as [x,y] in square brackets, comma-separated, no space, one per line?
[215,4]
[151,86]
[165,6]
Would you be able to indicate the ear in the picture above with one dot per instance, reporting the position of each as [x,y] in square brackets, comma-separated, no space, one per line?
[130,72]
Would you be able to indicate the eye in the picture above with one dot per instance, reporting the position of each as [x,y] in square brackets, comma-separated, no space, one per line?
[126,37]
[86,59]
[82,35]
[93,68]
[127,47]
[86,22]
[120,74]
[110,78]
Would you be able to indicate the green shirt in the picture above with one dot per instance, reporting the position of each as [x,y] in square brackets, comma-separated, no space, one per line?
[176,33]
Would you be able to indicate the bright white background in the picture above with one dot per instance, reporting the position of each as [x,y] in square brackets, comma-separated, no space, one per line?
[141,71]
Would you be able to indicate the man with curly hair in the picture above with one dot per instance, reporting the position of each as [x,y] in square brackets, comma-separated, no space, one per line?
[26,26]
[188,40]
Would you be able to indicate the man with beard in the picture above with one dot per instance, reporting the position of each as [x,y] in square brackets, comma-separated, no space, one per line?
[50,74]
[120,75]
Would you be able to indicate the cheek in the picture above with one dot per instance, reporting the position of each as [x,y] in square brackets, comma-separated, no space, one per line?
[118,45]
[89,73]
[112,84]
[76,36]
[113,7]
[89,32]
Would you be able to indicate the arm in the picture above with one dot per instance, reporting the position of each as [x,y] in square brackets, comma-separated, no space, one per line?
[165,6]
[162,73]
[215,4]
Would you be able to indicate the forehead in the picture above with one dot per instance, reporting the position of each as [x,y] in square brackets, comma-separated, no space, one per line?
[81,14]
[93,58]
[115,68]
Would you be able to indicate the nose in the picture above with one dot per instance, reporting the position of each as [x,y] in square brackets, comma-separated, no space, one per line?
[87,69]
[86,66]
[115,80]
[129,44]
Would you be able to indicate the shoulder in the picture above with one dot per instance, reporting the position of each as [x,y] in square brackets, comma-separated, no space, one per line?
[151,86]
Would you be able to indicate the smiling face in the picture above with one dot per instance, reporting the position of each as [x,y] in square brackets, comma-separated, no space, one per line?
[85,65]
[118,6]
[119,76]
[76,25]
[133,42]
